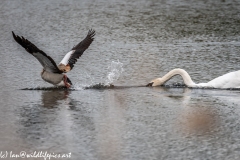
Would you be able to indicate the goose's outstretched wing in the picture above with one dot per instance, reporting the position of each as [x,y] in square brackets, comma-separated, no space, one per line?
[47,62]
[71,57]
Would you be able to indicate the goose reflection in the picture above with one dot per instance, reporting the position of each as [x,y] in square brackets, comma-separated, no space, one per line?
[54,98]
[43,120]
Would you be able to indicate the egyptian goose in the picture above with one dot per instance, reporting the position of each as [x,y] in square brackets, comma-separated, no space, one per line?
[51,72]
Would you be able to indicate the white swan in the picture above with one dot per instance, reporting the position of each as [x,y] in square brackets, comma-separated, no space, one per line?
[229,80]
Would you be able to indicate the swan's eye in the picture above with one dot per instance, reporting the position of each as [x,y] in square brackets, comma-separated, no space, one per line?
[149,84]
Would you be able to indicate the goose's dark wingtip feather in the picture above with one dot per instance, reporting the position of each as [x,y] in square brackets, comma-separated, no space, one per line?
[91,33]
[29,47]
[15,37]
[22,41]
[13,34]
[32,49]
[81,47]
[84,44]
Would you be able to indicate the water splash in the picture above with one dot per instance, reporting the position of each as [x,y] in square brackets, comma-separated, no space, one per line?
[116,69]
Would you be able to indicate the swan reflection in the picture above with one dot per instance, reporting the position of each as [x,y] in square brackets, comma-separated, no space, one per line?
[197,117]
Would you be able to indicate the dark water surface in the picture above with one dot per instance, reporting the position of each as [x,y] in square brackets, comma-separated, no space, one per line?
[142,40]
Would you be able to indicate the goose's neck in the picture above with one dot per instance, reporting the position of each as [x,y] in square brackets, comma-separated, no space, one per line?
[186,78]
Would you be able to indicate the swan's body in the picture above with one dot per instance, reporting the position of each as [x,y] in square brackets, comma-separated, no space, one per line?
[53,73]
[229,80]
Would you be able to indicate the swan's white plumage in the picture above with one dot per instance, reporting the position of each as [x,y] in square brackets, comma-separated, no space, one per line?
[229,80]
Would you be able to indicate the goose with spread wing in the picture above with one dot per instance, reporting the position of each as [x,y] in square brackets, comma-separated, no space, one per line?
[53,73]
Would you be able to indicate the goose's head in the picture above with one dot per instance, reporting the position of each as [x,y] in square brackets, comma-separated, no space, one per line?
[155,82]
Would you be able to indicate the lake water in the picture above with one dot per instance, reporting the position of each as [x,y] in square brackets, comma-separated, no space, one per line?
[135,42]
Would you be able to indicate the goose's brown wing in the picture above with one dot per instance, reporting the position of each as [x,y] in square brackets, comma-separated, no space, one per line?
[46,61]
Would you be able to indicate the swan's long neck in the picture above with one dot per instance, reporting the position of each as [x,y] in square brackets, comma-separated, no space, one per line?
[186,78]
[229,80]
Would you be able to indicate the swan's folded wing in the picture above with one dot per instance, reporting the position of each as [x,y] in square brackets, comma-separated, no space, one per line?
[71,57]
[47,62]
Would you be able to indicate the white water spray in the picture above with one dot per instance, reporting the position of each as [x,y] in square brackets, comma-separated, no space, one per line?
[116,69]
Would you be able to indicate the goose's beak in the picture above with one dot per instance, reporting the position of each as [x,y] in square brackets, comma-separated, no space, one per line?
[149,84]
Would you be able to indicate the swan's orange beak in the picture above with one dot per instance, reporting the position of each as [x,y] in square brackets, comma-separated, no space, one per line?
[149,84]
